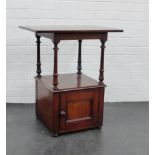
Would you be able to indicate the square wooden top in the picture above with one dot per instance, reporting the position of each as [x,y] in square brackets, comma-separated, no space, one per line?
[70,81]
[69,29]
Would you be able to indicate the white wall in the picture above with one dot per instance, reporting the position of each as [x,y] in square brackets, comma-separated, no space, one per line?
[126,55]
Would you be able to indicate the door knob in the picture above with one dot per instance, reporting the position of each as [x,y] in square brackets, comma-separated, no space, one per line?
[63,113]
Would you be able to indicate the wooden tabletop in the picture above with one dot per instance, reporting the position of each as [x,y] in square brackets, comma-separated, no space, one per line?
[69,29]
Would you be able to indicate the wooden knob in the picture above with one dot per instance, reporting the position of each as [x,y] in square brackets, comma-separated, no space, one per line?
[63,113]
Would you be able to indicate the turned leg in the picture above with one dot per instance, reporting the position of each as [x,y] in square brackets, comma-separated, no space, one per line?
[55,69]
[79,67]
[101,71]
[38,71]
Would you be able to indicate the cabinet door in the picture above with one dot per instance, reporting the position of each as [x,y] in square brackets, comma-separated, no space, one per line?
[79,110]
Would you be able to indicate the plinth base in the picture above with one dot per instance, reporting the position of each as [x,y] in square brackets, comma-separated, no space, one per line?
[75,104]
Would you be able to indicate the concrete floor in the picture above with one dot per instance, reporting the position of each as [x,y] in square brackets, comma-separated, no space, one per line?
[125,132]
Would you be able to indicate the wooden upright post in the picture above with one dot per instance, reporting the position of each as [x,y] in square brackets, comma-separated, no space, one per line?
[38,71]
[101,71]
[79,67]
[55,68]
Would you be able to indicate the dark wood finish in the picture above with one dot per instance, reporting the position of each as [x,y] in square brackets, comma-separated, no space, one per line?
[81,110]
[55,111]
[38,56]
[44,106]
[79,67]
[74,101]
[69,109]
[69,29]
[36,98]
[101,76]
[74,36]
[101,106]
[55,69]
[68,82]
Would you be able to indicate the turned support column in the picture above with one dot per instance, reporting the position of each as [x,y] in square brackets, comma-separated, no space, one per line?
[79,67]
[55,67]
[101,71]
[38,71]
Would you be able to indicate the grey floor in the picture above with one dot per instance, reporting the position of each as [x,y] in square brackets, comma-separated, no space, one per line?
[125,132]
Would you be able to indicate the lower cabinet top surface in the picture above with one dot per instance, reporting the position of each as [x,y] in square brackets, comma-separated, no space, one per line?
[69,81]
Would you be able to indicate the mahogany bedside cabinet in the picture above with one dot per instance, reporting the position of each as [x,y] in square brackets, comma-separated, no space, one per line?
[69,102]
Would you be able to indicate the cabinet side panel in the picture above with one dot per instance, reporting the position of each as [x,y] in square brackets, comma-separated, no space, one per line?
[55,113]
[43,104]
[101,106]
[36,97]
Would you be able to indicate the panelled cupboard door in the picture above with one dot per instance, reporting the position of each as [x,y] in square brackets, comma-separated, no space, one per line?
[79,109]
